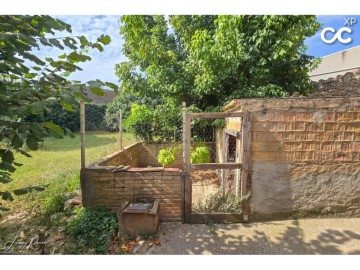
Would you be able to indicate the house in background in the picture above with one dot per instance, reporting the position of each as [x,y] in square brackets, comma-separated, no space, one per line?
[105,99]
[338,74]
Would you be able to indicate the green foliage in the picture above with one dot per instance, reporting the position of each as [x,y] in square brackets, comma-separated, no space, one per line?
[207,61]
[210,224]
[221,202]
[159,122]
[91,231]
[140,122]
[167,156]
[124,102]
[31,90]
[52,199]
[94,117]
[201,154]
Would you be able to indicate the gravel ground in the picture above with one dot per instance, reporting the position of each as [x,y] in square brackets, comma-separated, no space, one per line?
[308,236]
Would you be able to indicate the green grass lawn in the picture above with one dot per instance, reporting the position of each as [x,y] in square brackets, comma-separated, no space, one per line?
[57,164]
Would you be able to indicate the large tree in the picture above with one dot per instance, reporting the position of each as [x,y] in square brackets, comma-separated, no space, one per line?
[209,60]
[28,84]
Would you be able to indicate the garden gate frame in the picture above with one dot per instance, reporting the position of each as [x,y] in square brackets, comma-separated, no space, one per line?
[242,161]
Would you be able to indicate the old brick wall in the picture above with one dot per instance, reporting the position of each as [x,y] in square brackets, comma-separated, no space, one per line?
[305,156]
[102,187]
[129,156]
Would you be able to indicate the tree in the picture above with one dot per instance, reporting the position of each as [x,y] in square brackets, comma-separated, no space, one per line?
[209,60]
[31,90]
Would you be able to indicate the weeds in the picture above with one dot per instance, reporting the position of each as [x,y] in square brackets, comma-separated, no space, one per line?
[91,231]
[211,225]
[220,202]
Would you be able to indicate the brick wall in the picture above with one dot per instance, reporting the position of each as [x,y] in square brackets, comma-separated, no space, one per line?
[130,156]
[305,155]
[104,188]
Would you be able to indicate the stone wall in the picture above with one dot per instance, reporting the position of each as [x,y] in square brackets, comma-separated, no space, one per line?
[305,156]
[102,186]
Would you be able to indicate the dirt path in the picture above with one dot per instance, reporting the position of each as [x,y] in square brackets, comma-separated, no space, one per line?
[309,236]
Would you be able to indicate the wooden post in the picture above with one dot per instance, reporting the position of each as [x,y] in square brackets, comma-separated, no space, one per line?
[246,153]
[186,161]
[41,241]
[82,133]
[120,130]
[224,160]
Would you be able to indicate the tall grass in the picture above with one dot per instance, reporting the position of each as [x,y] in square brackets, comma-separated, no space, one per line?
[57,165]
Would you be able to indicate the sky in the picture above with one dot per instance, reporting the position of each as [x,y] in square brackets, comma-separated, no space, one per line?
[319,48]
[102,64]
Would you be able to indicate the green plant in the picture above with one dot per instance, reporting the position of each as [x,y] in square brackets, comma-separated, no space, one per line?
[167,156]
[140,122]
[210,224]
[221,202]
[201,154]
[91,231]
[30,85]
[52,199]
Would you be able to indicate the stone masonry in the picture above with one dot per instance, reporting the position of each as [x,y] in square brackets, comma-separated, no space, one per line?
[305,156]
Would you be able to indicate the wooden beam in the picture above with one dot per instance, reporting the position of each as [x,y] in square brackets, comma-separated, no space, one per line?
[82,134]
[246,154]
[232,132]
[217,114]
[186,160]
[214,166]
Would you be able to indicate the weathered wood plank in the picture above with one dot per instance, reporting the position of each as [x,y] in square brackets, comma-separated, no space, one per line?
[82,134]
[232,132]
[246,154]
[214,166]
[201,218]
[217,114]
[186,159]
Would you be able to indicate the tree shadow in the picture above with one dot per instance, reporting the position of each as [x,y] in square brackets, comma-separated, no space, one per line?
[252,239]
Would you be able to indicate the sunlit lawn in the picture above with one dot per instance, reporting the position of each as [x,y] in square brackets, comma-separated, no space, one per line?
[60,159]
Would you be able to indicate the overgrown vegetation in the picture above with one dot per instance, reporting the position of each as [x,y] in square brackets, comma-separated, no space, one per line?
[94,117]
[30,88]
[91,231]
[221,202]
[209,60]
[200,154]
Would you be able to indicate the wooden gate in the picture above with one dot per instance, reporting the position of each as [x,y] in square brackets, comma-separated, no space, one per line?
[241,163]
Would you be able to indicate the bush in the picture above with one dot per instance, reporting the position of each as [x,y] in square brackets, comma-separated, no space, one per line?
[94,117]
[123,102]
[91,231]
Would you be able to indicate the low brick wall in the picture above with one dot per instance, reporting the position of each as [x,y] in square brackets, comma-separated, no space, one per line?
[305,156]
[103,187]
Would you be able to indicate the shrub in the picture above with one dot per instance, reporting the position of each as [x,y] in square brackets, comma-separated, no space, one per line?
[91,231]
[124,102]
[201,154]
[167,156]
[94,117]
[140,122]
